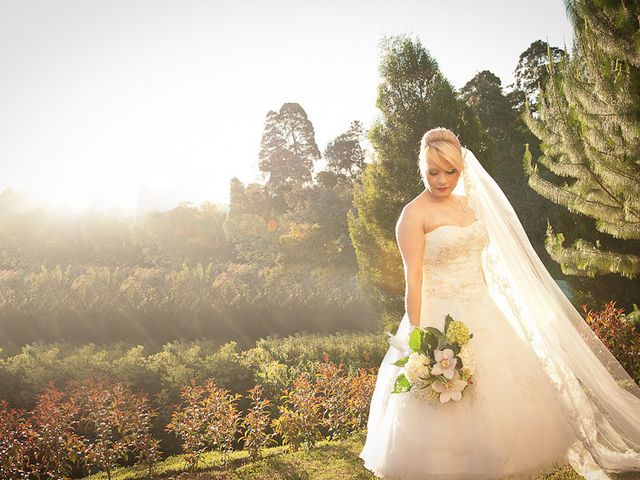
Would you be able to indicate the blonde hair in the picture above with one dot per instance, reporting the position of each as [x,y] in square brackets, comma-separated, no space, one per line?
[442,147]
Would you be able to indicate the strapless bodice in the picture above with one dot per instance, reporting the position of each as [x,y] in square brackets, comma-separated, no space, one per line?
[452,260]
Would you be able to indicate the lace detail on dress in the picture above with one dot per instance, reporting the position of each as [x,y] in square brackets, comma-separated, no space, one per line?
[452,266]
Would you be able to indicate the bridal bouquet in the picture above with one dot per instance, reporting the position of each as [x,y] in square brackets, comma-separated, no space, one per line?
[440,365]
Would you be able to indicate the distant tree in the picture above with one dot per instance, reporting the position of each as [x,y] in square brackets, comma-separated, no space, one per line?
[531,74]
[247,199]
[288,151]
[183,234]
[344,155]
[314,230]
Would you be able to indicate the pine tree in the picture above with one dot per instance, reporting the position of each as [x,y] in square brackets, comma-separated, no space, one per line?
[413,96]
[589,125]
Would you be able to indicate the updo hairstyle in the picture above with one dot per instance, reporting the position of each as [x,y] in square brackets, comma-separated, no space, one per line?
[442,147]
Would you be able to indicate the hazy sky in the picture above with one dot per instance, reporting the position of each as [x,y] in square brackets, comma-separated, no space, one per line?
[101,100]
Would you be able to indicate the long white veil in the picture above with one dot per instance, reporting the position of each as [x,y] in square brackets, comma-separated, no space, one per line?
[599,398]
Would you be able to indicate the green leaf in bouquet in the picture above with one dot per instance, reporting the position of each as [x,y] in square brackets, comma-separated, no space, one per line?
[401,362]
[436,338]
[415,339]
[429,343]
[402,384]
[455,347]
[459,363]
[447,320]
[435,332]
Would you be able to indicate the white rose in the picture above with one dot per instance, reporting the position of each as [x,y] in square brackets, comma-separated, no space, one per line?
[417,366]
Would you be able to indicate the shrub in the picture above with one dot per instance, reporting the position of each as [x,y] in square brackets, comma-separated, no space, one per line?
[361,388]
[619,334]
[256,422]
[104,414]
[299,415]
[332,388]
[344,399]
[137,430]
[207,418]
[56,445]
[15,435]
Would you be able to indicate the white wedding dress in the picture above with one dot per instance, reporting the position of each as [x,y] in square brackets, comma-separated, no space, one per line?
[507,425]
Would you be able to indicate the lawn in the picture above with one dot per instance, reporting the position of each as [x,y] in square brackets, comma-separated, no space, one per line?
[329,460]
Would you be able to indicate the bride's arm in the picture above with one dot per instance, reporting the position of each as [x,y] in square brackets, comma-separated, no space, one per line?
[410,238]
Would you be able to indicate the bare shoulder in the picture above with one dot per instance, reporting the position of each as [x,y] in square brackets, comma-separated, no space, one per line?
[412,216]
[411,213]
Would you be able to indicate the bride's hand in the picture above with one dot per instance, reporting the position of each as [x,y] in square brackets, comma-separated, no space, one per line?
[396,342]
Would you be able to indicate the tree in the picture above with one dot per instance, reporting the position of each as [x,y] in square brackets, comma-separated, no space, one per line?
[413,96]
[531,73]
[344,155]
[248,199]
[589,125]
[287,153]
[507,134]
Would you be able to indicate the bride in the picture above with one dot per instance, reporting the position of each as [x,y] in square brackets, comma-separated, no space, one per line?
[546,391]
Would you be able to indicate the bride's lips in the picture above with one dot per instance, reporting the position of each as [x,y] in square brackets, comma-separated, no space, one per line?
[444,189]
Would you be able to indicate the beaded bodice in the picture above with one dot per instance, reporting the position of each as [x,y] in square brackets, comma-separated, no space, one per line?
[452,260]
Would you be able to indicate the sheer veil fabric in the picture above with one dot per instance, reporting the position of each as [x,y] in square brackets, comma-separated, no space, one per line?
[599,399]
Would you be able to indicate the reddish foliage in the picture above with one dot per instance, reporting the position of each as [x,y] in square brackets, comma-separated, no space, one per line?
[618,334]
[56,445]
[118,423]
[300,415]
[256,422]
[207,417]
[15,442]
[101,423]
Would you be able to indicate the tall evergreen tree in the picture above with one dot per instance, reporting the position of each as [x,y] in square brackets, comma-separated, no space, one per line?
[589,125]
[413,96]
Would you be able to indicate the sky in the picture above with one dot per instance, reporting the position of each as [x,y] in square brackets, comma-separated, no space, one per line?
[134,104]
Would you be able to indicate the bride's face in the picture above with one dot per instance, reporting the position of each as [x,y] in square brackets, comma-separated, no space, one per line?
[442,181]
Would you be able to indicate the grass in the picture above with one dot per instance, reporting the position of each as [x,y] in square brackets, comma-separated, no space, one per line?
[329,460]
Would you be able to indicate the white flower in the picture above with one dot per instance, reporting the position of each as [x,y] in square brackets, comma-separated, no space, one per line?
[449,389]
[417,367]
[445,363]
